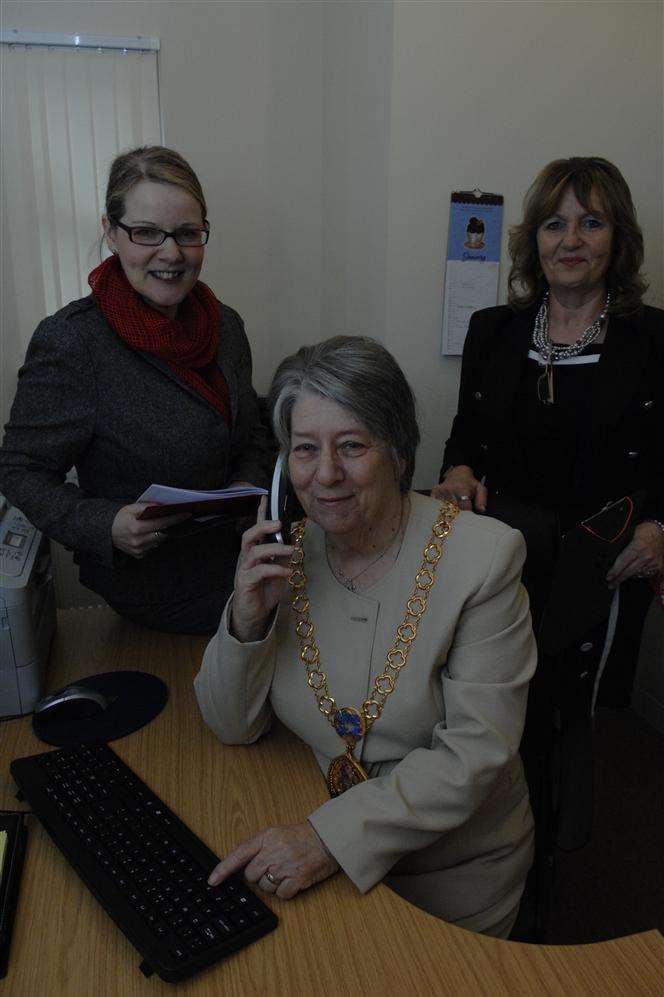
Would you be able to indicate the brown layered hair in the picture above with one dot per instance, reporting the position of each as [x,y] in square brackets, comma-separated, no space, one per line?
[150,162]
[586,175]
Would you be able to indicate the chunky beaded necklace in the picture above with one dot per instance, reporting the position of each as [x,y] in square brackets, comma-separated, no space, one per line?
[350,724]
[551,352]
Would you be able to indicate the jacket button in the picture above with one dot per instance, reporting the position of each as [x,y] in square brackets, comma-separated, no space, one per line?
[586,646]
[648,404]
[632,454]
[478,397]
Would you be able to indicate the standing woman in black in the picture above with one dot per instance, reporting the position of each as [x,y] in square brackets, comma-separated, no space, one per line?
[545,445]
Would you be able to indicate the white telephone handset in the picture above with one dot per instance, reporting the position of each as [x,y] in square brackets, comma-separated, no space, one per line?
[281,501]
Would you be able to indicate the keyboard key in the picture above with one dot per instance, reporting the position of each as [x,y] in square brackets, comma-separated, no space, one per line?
[256,913]
[208,934]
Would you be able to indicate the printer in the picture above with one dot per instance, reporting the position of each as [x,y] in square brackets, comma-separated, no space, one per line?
[27,611]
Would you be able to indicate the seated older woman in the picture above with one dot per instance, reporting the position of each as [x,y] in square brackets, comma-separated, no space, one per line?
[393,636]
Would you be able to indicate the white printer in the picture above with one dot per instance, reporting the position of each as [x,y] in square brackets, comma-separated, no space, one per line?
[27,611]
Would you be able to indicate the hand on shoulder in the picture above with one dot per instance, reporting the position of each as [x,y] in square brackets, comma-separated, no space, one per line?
[460,485]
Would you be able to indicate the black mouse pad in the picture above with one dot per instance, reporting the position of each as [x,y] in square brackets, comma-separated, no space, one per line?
[135,698]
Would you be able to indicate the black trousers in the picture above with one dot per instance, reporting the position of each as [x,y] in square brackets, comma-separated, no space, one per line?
[556,748]
[181,586]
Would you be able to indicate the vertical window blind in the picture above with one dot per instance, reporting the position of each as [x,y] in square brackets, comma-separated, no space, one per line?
[66,112]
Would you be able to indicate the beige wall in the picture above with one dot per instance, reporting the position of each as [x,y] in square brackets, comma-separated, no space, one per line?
[329,136]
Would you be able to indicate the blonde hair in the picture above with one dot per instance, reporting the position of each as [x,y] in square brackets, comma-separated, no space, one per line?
[586,175]
[150,162]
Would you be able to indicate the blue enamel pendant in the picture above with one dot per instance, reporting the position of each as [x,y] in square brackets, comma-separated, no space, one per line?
[349,724]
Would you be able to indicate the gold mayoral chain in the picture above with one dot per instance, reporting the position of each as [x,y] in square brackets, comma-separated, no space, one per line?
[350,724]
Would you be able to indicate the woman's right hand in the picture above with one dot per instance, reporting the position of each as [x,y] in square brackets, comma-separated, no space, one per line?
[137,537]
[260,578]
[461,486]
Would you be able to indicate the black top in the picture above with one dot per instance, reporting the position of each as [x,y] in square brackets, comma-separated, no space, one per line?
[614,427]
[548,435]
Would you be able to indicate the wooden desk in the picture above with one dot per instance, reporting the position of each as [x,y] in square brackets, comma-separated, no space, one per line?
[330,939]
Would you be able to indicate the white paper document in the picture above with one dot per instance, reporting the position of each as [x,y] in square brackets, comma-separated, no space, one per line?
[165,495]
[166,501]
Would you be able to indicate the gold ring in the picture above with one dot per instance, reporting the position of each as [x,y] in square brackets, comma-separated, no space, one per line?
[272,879]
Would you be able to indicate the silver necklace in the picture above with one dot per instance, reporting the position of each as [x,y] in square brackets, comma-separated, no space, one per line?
[551,352]
[561,351]
[348,581]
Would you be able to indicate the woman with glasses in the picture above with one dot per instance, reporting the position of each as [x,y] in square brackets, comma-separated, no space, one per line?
[561,412]
[146,380]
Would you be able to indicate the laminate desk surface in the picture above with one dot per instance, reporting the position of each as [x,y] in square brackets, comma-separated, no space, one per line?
[330,939]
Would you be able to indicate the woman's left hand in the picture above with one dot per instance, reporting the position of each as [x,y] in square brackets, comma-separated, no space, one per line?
[281,860]
[643,557]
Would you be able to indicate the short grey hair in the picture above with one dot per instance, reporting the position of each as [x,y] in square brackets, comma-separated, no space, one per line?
[360,375]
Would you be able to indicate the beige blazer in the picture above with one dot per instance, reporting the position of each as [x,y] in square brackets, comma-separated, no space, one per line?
[445,814]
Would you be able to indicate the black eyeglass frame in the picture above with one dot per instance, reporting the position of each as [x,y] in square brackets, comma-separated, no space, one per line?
[129,229]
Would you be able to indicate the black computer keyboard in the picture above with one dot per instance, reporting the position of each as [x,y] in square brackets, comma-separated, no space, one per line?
[146,868]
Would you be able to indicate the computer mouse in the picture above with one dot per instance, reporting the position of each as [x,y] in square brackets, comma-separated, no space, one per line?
[74,702]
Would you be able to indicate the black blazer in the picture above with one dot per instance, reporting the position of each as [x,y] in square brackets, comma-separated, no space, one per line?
[620,449]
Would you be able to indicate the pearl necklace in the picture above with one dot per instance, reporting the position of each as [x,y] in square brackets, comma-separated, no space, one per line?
[551,352]
[561,351]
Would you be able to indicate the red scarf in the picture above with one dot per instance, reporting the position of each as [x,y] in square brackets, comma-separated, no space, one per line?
[187,344]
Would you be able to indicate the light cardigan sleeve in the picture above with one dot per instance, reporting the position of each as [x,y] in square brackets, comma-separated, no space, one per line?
[431,791]
[234,682]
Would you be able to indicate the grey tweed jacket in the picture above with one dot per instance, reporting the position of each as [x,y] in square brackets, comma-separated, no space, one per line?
[120,417]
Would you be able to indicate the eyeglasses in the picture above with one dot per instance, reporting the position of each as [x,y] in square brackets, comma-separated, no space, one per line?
[147,235]
[545,386]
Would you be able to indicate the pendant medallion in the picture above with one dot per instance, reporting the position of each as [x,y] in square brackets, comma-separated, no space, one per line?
[344,772]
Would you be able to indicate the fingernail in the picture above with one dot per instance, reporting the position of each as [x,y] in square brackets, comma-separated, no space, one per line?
[213,880]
